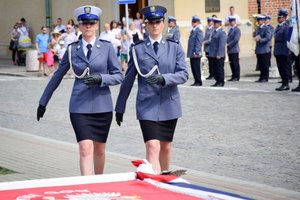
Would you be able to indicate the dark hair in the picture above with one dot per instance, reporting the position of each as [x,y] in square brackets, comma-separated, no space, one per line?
[23,19]
[72,22]
[43,27]
[113,22]
[214,16]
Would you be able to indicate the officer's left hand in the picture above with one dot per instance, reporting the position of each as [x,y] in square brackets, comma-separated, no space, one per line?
[92,79]
[156,79]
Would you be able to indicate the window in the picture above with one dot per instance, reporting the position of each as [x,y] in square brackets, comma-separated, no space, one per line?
[212,5]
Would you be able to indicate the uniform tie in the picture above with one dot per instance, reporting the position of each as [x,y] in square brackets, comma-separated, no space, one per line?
[155,47]
[89,47]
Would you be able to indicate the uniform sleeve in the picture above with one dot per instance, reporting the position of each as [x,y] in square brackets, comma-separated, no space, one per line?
[126,86]
[198,42]
[54,82]
[268,36]
[222,44]
[236,38]
[181,74]
[114,75]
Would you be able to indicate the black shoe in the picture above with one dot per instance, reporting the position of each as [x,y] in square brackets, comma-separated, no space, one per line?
[297,89]
[218,84]
[261,81]
[196,84]
[233,79]
[283,88]
[210,77]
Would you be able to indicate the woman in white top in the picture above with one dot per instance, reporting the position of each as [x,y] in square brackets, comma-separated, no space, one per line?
[134,34]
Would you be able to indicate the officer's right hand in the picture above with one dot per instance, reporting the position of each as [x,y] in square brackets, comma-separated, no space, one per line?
[40,112]
[119,118]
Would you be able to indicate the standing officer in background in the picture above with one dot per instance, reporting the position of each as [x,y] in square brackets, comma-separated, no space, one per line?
[281,51]
[96,67]
[263,37]
[173,29]
[206,44]
[217,52]
[160,66]
[194,50]
[233,49]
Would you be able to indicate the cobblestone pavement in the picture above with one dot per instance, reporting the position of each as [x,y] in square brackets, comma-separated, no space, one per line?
[245,130]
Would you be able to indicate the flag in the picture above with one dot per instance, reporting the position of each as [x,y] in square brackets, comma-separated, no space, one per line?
[293,40]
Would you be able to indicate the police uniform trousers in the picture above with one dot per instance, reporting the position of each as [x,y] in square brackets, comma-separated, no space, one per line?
[218,65]
[158,130]
[262,60]
[210,66]
[234,65]
[195,65]
[283,64]
[91,126]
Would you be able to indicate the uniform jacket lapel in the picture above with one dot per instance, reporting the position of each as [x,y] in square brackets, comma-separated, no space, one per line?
[161,48]
[79,51]
[95,50]
[150,50]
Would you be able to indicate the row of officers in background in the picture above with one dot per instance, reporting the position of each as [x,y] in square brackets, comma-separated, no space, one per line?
[216,42]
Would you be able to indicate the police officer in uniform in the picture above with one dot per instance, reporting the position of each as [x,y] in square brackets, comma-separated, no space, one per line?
[194,50]
[173,29]
[233,49]
[217,52]
[160,66]
[96,67]
[206,44]
[263,37]
[281,51]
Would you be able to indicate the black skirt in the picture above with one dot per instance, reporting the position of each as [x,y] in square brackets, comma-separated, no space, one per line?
[160,130]
[91,126]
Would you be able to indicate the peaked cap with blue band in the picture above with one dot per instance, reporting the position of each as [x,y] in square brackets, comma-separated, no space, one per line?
[171,19]
[153,12]
[195,18]
[87,14]
[217,20]
[282,13]
[260,17]
[230,18]
[210,19]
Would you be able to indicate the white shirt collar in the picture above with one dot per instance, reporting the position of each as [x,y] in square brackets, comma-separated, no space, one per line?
[85,43]
[159,40]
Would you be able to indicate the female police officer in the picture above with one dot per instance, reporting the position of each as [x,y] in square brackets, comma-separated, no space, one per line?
[160,65]
[96,67]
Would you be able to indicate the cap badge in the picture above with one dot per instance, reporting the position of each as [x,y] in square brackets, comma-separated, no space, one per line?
[152,9]
[87,10]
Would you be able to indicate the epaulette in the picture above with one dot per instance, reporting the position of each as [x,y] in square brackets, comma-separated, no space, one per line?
[138,42]
[104,40]
[172,40]
[76,42]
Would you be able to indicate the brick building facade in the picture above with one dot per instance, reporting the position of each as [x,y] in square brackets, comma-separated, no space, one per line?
[269,7]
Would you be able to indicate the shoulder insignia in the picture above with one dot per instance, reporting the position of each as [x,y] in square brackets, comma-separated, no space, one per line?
[104,40]
[172,40]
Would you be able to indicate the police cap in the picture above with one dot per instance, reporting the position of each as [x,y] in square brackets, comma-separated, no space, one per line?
[87,14]
[260,17]
[282,12]
[217,20]
[153,12]
[195,18]
[171,19]
[230,19]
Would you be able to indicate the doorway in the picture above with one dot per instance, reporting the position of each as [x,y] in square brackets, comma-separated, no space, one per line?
[134,8]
